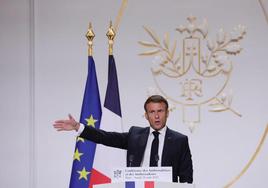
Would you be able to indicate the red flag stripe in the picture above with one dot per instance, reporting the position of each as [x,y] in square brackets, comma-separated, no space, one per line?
[98,178]
[148,184]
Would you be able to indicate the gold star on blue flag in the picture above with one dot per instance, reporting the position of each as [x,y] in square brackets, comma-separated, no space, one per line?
[91,121]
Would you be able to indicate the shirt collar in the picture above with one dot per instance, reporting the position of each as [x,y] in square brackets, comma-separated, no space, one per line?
[161,131]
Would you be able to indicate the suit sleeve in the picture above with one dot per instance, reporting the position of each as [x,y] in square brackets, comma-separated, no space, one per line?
[112,139]
[186,166]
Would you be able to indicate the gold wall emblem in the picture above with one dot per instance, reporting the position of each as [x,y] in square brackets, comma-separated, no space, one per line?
[195,71]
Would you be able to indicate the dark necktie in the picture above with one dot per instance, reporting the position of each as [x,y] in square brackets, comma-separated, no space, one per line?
[154,150]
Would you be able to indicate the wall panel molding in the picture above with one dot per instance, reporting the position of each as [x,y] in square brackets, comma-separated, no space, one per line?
[32,140]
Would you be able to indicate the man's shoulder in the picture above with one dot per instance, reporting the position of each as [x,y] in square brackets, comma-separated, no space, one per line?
[176,134]
[137,129]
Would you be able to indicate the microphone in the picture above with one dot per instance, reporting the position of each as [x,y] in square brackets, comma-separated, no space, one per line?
[130,159]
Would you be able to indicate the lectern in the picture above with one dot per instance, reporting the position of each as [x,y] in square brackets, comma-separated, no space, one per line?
[143,177]
[144,185]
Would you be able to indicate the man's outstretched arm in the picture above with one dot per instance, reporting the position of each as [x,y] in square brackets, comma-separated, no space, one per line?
[112,139]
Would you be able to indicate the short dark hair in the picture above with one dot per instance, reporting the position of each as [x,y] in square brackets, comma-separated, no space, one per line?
[155,99]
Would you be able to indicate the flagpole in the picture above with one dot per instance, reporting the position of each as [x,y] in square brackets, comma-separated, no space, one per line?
[90,36]
[83,173]
[111,35]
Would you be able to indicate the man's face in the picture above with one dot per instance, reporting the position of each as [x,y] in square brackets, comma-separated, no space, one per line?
[156,114]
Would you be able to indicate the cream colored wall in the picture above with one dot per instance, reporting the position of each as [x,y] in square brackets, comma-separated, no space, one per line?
[15,94]
[35,93]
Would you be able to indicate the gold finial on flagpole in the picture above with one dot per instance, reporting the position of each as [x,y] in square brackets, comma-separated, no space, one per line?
[90,36]
[110,34]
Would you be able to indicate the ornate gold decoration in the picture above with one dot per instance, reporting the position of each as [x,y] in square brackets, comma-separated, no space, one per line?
[200,72]
[223,103]
[264,9]
[111,35]
[90,36]
[120,15]
[253,157]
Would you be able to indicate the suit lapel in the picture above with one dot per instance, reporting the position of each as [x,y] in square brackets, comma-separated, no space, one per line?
[143,138]
[167,148]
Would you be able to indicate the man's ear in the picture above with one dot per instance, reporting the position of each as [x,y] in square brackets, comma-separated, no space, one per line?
[167,113]
[146,115]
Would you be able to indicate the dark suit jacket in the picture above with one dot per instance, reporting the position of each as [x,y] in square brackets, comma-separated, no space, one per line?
[176,151]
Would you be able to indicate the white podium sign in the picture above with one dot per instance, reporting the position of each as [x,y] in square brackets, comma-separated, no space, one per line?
[160,174]
[142,185]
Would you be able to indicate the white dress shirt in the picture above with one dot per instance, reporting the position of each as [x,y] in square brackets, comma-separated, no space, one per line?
[146,158]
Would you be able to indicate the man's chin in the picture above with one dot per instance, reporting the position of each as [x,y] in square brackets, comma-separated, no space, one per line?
[158,126]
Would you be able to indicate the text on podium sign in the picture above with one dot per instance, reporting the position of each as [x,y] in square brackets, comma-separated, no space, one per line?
[160,174]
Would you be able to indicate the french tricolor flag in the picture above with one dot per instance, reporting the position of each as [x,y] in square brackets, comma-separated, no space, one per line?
[146,184]
[107,158]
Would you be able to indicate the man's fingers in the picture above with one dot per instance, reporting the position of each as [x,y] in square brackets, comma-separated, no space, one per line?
[70,117]
[60,121]
[58,126]
[61,128]
[65,124]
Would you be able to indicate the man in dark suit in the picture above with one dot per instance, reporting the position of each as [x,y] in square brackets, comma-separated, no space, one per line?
[156,145]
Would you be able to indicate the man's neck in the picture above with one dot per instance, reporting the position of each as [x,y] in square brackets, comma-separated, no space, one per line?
[163,129]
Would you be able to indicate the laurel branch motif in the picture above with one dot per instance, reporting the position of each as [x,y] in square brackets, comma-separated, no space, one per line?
[225,44]
[168,63]
[223,104]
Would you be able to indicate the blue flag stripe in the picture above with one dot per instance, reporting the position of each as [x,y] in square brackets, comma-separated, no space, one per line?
[112,98]
[130,184]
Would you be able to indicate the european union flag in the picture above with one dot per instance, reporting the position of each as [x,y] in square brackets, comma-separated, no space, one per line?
[90,116]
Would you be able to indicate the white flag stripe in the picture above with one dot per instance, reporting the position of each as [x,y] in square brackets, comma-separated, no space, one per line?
[110,121]
[108,158]
[139,184]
